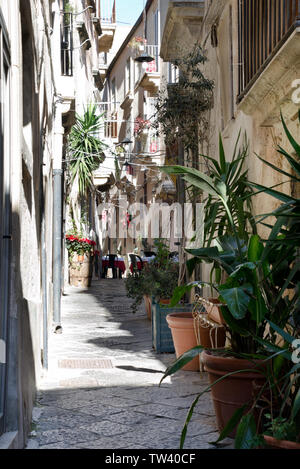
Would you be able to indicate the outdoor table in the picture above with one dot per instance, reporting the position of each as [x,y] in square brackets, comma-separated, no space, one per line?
[118,263]
[139,264]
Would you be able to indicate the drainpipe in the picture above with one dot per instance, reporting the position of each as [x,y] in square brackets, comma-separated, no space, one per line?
[44,259]
[57,248]
[45,296]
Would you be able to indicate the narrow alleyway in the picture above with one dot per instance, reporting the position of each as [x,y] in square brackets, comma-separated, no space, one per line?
[102,390]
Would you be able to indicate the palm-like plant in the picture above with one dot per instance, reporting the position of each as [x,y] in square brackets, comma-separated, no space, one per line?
[227,206]
[261,294]
[85,149]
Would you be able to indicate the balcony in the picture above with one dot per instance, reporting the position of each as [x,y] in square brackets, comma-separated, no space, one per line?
[109,112]
[108,24]
[148,73]
[269,36]
[181,27]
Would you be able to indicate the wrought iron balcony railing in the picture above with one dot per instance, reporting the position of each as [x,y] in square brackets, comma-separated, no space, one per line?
[108,11]
[264,26]
[109,112]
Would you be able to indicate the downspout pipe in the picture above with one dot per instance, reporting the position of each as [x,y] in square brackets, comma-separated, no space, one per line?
[44,280]
[57,248]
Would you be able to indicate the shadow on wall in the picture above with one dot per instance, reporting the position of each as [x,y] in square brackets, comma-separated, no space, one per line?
[21,383]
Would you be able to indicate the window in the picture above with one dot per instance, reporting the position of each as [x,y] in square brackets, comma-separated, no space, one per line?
[5,229]
[66,28]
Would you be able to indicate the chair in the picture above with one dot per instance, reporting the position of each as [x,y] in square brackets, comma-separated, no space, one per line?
[134,261]
[173,254]
[111,265]
[149,253]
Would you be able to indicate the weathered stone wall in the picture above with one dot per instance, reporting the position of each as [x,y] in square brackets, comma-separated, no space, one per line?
[30,153]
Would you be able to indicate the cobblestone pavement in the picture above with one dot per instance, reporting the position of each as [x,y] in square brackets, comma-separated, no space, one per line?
[102,389]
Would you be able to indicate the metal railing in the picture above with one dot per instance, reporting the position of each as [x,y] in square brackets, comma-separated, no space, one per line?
[153,51]
[66,44]
[109,112]
[264,26]
[108,11]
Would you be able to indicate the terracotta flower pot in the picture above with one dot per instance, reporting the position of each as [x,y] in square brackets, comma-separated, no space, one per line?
[280,444]
[234,391]
[80,257]
[212,337]
[80,273]
[215,313]
[210,325]
[184,337]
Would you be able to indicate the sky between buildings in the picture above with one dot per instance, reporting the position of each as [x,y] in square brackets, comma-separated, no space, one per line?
[128,11]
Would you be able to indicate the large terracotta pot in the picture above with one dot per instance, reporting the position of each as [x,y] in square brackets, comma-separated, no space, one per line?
[184,337]
[215,313]
[234,391]
[280,444]
[81,272]
[211,337]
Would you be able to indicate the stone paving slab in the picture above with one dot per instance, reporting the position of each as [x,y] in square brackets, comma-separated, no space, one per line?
[122,407]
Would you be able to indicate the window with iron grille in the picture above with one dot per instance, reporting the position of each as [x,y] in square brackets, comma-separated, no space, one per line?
[264,26]
[66,41]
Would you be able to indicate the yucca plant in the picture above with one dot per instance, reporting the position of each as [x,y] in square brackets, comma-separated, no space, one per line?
[227,206]
[85,149]
[261,290]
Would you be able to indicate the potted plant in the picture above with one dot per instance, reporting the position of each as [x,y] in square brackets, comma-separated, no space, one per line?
[80,251]
[137,43]
[172,328]
[258,274]
[85,152]
[156,282]
[278,402]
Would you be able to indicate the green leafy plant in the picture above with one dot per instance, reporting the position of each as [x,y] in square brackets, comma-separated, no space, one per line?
[158,278]
[278,402]
[85,149]
[257,272]
[261,305]
[282,419]
[228,204]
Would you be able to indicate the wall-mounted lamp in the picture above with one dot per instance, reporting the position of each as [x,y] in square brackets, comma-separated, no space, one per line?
[125,142]
[144,57]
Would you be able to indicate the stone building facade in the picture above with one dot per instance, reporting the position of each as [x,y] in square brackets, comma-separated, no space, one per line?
[49,69]
[254,59]
[27,139]
[128,103]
